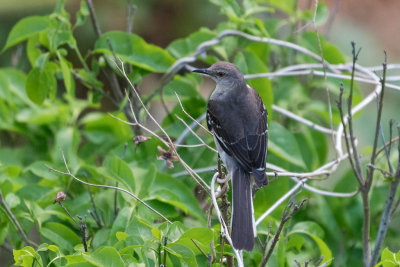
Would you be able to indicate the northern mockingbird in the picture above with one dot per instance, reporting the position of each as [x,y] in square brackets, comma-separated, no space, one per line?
[237,117]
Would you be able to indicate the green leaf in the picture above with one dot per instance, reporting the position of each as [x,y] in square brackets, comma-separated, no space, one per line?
[313,231]
[39,83]
[389,259]
[295,241]
[39,169]
[32,49]
[74,260]
[283,144]
[174,192]
[186,46]
[183,253]
[26,256]
[120,170]
[41,116]
[82,14]
[60,235]
[26,28]
[201,235]
[183,86]
[144,179]
[288,6]
[105,256]
[121,236]
[67,74]
[12,200]
[121,222]
[134,50]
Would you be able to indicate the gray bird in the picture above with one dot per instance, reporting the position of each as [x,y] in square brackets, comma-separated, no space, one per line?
[237,117]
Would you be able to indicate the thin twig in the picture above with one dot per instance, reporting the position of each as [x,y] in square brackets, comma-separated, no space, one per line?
[15,221]
[224,227]
[105,186]
[328,95]
[356,157]
[95,215]
[199,248]
[288,213]
[370,171]
[194,175]
[387,211]
[347,137]
[130,14]
[93,18]
[196,135]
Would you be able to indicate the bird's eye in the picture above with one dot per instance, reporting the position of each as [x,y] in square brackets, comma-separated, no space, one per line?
[220,74]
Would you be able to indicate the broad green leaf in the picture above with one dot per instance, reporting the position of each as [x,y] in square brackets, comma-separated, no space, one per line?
[267,196]
[39,83]
[186,46]
[82,14]
[101,237]
[26,28]
[120,170]
[39,169]
[310,227]
[144,179]
[134,50]
[173,231]
[121,236]
[138,232]
[41,116]
[67,75]
[389,259]
[32,49]
[287,6]
[66,140]
[313,231]
[15,81]
[283,144]
[229,8]
[121,222]
[182,252]
[201,235]
[26,256]
[13,171]
[174,192]
[12,200]
[295,241]
[183,86]
[60,235]
[75,259]
[105,256]
[99,122]
[330,52]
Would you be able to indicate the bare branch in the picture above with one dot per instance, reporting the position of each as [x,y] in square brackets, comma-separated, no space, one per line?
[15,221]
[68,172]
[224,227]
[387,210]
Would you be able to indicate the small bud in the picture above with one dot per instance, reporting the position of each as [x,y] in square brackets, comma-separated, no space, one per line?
[140,139]
[60,197]
[168,156]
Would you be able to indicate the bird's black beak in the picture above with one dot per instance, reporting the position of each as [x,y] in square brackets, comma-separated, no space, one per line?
[202,71]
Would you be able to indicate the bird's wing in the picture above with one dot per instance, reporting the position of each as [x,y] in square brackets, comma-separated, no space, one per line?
[257,143]
[250,150]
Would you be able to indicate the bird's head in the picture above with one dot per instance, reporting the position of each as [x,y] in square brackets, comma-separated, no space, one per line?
[225,74]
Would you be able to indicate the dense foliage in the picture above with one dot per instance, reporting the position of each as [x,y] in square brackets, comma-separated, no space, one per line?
[41,117]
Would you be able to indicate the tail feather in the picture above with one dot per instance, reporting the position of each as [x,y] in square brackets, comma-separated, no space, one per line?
[243,226]
[260,177]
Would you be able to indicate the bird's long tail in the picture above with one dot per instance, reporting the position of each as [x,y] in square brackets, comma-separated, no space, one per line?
[243,224]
